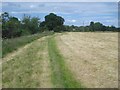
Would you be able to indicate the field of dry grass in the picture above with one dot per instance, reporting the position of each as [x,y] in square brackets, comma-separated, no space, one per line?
[28,67]
[92,57]
[71,59]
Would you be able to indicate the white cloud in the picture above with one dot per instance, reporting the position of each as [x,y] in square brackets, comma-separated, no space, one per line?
[71,21]
[60,1]
[22,12]
[32,6]
[85,9]
[19,19]
[74,13]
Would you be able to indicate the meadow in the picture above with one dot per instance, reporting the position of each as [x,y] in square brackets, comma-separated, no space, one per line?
[62,60]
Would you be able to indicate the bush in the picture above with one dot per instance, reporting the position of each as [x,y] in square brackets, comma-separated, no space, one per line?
[59,29]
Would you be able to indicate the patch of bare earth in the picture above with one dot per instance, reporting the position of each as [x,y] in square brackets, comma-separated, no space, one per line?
[92,57]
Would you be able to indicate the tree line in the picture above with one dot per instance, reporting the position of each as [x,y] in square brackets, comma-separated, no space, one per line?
[93,27]
[13,27]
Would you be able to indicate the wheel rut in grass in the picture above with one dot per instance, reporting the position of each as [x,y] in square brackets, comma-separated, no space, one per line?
[61,75]
[45,77]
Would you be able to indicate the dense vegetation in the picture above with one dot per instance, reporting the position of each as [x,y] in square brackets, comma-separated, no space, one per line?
[53,23]
[94,26]
[10,45]
[13,27]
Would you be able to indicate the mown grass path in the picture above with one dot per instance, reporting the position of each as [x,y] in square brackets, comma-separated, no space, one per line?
[29,69]
[37,65]
[61,75]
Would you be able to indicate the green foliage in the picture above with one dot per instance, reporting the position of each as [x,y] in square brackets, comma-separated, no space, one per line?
[5,17]
[25,32]
[98,26]
[59,28]
[94,26]
[9,45]
[31,24]
[0,26]
[12,27]
[53,22]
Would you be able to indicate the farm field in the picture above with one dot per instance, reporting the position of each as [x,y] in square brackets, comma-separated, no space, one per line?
[64,60]
[92,57]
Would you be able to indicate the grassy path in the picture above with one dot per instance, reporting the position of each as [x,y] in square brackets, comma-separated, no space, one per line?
[62,60]
[61,75]
[29,68]
[37,65]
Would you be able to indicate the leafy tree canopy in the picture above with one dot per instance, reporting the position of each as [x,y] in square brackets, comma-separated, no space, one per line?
[52,21]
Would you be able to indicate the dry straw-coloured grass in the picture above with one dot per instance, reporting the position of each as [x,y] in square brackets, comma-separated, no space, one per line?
[28,68]
[45,77]
[92,57]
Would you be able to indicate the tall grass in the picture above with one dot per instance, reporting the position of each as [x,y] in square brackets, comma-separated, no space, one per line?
[61,75]
[9,45]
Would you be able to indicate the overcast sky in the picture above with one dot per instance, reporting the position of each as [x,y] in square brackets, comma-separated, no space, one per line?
[74,13]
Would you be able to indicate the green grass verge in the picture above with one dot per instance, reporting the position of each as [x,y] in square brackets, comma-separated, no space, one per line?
[61,75]
[9,45]
[24,70]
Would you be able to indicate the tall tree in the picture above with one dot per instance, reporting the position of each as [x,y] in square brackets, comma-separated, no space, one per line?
[5,17]
[92,26]
[98,26]
[12,28]
[53,21]
[30,25]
